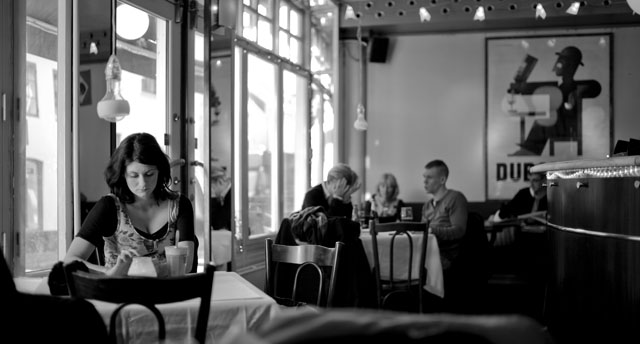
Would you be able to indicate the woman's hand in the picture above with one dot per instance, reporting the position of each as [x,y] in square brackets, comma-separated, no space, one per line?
[122,264]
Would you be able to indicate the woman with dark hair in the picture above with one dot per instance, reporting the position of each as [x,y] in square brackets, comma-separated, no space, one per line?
[141,215]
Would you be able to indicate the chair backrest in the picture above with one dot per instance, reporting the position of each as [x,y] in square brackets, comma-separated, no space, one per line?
[475,251]
[399,229]
[144,291]
[312,263]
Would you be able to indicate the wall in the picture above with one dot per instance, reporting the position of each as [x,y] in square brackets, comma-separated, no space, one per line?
[427,102]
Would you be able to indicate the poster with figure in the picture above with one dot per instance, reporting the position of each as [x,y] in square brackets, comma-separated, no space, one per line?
[548,99]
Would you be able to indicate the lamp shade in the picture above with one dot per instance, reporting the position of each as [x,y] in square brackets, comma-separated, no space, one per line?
[132,22]
[361,122]
[635,5]
[113,107]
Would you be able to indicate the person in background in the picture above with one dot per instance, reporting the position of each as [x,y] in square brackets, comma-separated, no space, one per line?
[334,194]
[385,201]
[446,215]
[527,200]
[140,216]
[220,204]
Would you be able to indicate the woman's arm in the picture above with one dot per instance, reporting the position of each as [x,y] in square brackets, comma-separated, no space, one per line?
[101,221]
[81,249]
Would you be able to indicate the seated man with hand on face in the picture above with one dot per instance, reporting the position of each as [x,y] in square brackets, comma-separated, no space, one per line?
[334,194]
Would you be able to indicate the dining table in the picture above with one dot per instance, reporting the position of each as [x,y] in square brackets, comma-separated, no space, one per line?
[236,306]
[434,282]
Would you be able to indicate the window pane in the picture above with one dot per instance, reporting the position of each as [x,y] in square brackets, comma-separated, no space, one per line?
[261,143]
[249,26]
[283,49]
[199,127]
[265,38]
[294,141]
[295,50]
[144,81]
[40,163]
[322,30]
[264,8]
[296,23]
[284,16]
[316,137]
[328,117]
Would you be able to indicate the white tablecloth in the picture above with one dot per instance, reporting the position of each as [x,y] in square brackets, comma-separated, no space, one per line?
[434,283]
[236,305]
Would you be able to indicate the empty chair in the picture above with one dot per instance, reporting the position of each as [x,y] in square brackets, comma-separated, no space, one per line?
[400,239]
[144,291]
[308,271]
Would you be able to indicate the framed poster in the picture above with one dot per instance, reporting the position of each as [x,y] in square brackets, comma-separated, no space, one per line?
[548,98]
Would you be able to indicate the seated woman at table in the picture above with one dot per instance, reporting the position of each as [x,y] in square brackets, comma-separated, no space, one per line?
[385,201]
[140,216]
[334,194]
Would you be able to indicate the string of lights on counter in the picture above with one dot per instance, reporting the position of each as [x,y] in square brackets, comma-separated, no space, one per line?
[480,14]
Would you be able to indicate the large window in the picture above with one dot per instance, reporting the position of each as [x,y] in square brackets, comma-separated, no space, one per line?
[38,168]
[261,144]
[257,22]
[294,141]
[290,33]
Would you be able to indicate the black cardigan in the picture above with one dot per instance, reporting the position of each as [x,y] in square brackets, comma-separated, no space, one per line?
[333,207]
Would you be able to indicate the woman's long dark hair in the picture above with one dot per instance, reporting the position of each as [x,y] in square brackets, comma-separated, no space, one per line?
[143,148]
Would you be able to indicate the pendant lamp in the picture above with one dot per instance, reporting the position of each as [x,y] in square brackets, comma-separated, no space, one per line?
[113,107]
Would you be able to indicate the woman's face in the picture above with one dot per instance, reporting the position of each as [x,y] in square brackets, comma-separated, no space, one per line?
[385,190]
[141,179]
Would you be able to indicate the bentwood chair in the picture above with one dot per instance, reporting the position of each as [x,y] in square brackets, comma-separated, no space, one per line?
[145,291]
[311,269]
[392,289]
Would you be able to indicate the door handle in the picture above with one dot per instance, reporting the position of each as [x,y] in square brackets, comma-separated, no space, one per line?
[197,163]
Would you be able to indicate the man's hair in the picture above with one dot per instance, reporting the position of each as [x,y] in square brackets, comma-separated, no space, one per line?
[342,171]
[440,165]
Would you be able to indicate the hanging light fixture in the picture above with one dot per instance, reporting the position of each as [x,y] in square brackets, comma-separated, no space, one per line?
[479,15]
[424,15]
[113,107]
[574,8]
[540,12]
[361,121]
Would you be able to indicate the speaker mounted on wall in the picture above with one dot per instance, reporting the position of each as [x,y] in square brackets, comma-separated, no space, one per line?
[378,49]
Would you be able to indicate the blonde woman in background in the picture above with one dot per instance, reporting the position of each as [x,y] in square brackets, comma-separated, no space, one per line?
[385,201]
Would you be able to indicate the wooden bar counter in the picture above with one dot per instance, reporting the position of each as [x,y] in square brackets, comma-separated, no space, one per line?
[593,228]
